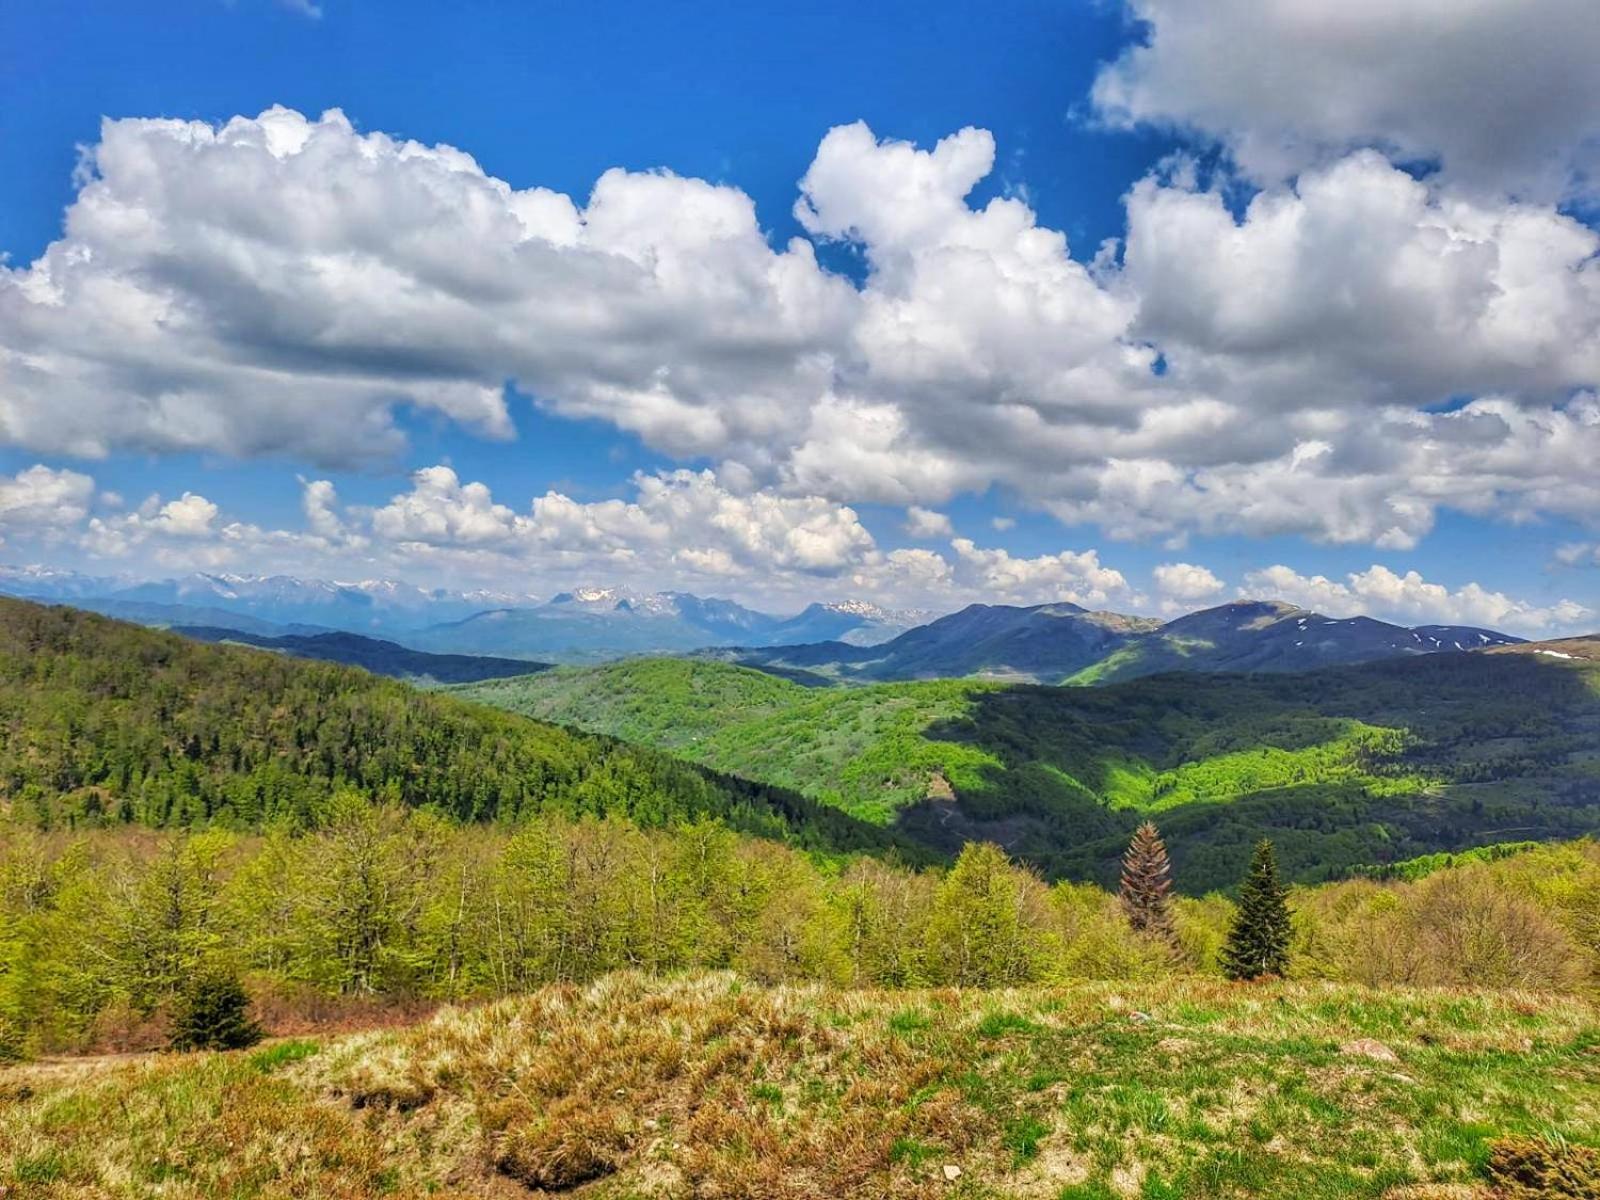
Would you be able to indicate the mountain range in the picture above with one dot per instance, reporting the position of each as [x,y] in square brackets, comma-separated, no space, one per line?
[584,624]
[842,642]
[258,603]
[592,624]
[1340,766]
[1063,643]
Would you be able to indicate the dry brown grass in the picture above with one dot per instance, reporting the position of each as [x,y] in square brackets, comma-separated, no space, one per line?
[709,1087]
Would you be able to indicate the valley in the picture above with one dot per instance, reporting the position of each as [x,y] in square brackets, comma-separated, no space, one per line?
[1341,767]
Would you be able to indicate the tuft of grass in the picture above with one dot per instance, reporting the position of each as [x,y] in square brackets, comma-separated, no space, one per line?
[1543,1168]
[282,1054]
[998,1024]
[1022,1137]
[909,1020]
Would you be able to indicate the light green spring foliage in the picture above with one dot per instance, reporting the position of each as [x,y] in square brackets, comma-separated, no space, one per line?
[867,750]
[1339,767]
[98,930]
[859,749]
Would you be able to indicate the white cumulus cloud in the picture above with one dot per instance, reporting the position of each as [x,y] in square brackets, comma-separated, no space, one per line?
[1352,354]
[1409,598]
[1498,92]
[41,500]
[1185,586]
[926,523]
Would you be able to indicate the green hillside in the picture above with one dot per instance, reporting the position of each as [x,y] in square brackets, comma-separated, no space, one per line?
[1342,767]
[102,721]
[863,750]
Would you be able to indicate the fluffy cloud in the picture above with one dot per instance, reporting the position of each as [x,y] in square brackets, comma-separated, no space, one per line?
[441,510]
[1380,592]
[685,520]
[684,529]
[41,501]
[1496,91]
[926,523]
[187,533]
[1185,586]
[678,529]
[1077,577]
[1363,287]
[281,285]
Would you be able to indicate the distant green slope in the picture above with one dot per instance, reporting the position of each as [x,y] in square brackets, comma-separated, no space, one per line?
[101,721]
[1341,767]
[858,749]
[371,654]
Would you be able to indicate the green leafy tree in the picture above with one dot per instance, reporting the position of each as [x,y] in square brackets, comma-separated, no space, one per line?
[990,925]
[213,1013]
[1146,891]
[1258,943]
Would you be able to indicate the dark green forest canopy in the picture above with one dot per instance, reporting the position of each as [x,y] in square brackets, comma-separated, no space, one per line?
[1341,767]
[102,721]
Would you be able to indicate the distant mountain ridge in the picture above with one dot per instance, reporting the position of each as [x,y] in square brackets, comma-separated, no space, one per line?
[1064,643]
[579,625]
[257,603]
[373,654]
[591,624]
[842,641]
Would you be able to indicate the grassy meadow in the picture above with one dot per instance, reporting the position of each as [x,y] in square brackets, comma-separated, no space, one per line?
[712,1086]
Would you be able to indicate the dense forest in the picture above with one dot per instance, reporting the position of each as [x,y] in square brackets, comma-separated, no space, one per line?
[1342,767]
[103,722]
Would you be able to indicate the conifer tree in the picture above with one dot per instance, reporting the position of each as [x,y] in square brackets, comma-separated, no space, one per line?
[1147,884]
[213,1013]
[1258,942]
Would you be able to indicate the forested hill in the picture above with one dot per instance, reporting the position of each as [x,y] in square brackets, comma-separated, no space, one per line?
[372,654]
[101,720]
[1342,767]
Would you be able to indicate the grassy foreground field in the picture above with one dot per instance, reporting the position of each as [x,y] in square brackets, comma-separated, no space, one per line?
[713,1087]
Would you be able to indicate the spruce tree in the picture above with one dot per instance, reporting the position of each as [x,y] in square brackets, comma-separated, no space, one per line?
[213,1013]
[1258,943]
[1147,884]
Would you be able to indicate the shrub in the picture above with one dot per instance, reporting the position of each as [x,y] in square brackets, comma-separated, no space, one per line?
[1462,927]
[213,1013]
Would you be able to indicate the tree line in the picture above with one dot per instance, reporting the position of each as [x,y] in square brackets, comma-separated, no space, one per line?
[101,930]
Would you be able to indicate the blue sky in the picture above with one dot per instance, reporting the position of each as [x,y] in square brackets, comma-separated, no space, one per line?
[1303,356]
